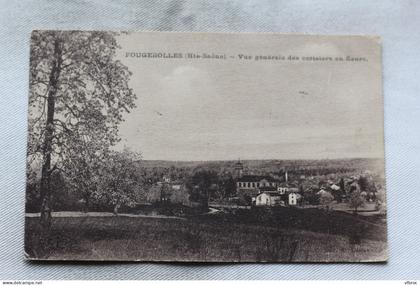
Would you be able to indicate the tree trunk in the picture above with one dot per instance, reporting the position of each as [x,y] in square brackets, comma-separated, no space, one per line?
[45,210]
[206,200]
[87,203]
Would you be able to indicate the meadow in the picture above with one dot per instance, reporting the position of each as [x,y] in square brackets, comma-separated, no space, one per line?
[239,237]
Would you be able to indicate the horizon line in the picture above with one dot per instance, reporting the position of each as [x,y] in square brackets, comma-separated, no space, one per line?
[264,159]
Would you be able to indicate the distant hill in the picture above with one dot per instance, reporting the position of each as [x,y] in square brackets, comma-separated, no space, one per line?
[273,165]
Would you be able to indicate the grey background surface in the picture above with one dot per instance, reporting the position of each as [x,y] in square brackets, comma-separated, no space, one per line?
[397,22]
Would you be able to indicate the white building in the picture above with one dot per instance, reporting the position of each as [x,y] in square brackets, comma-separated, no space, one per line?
[176,186]
[268,199]
[335,187]
[286,189]
[254,184]
[282,190]
[294,199]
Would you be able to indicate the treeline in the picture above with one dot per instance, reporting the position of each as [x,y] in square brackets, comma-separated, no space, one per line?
[90,183]
[205,184]
[120,182]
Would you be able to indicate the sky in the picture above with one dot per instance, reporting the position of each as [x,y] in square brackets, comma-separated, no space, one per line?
[215,109]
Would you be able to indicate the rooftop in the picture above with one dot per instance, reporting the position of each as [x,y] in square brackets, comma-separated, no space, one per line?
[256,178]
[271,193]
[267,189]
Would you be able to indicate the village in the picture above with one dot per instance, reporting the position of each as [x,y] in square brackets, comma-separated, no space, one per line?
[353,193]
[287,210]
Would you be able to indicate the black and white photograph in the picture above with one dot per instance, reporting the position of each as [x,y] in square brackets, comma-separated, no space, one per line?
[205,147]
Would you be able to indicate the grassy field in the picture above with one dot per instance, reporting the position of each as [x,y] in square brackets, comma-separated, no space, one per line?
[204,238]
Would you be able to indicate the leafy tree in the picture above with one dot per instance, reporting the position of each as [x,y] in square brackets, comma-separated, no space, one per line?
[363,183]
[229,187]
[84,168]
[356,200]
[310,197]
[78,92]
[200,185]
[342,185]
[301,189]
[326,198]
[381,200]
[121,180]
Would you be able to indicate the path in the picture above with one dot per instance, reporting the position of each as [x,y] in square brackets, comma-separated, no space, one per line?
[70,214]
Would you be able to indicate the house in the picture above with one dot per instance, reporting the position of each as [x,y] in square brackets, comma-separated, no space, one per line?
[176,186]
[292,190]
[322,192]
[337,192]
[282,189]
[268,199]
[294,198]
[335,187]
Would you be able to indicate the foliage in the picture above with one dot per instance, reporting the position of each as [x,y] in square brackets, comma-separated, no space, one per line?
[78,94]
[356,200]
[90,95]
[201,184]
[229,187]
[311,197]
[342,185]
[85,168]
[326,198]
[120,179]
[363,183]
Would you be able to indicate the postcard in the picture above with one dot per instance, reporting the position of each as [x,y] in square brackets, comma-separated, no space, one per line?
[205,147]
